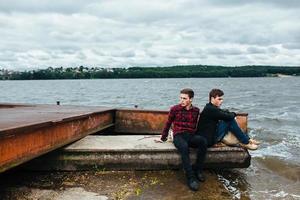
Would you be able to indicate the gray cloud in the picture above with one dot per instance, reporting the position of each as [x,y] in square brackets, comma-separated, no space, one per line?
[255,50]
[148,33]
[36,6]
[273,50]
[277,3]
[292,46]
[224,51]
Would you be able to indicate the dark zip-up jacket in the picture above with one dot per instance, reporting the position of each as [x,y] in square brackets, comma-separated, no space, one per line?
[209,119]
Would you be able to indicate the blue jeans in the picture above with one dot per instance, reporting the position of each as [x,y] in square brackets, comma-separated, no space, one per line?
[232,126]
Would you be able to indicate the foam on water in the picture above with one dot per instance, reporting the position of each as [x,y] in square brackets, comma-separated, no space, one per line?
[274,194]
[283,144]
[230,186]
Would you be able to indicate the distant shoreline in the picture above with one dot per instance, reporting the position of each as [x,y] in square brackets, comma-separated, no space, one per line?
[186,71]
[274,76]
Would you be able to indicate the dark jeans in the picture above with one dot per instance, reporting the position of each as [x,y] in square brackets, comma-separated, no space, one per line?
[225,126]
[182,142]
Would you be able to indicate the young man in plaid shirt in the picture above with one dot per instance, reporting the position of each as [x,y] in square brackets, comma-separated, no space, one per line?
[184,117]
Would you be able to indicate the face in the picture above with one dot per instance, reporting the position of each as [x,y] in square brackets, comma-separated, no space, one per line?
[185,100]
[217,101]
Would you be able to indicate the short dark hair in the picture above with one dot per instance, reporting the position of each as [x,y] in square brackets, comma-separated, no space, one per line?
[187,91]
[215,93]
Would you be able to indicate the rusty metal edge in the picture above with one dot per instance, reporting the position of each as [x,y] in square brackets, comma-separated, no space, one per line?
[20,161]
[11,131]
[12,105]
[160,111]
[140,110]
[242,114]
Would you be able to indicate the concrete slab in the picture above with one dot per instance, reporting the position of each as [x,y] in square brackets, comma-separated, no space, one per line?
[127,143]
[115,143]
[133,152]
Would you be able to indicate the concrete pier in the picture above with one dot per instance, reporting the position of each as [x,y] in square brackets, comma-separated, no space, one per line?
[133,152]
[125,139]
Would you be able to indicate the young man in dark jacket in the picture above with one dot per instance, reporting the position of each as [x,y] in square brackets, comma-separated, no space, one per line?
[184,117]
[214,123]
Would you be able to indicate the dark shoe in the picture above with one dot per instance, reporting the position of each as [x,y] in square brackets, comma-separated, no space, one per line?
[200,176]
[193,184]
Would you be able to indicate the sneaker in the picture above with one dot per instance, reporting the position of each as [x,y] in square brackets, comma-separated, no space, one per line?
[250,146]
[193,184]
[200,176]
[254,141]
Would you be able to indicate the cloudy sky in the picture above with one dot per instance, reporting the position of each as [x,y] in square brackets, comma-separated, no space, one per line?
[124,33]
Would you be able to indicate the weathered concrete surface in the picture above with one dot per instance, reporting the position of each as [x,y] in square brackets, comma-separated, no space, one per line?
[163,185]
[128,152]
[28,131]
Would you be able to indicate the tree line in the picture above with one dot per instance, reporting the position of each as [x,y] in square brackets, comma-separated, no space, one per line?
[182,71]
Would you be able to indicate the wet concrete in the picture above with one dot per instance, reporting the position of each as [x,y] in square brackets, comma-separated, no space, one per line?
[18,185]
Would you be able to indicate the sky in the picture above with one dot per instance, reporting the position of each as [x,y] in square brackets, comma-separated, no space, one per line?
[125,33]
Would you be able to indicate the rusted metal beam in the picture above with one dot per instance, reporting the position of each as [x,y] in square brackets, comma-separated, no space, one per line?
[135,121]
[37,131]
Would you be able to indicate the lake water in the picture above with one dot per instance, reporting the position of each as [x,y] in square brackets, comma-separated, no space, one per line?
[272,104]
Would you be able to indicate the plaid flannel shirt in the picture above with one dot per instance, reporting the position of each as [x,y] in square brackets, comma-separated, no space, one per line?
[183,120]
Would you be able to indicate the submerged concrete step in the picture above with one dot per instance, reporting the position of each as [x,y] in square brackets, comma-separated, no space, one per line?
[138,152]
